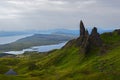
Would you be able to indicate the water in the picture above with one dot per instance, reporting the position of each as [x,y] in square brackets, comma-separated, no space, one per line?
[9,39]
[45,48]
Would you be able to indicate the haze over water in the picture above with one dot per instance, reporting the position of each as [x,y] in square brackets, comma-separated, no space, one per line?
[9,39]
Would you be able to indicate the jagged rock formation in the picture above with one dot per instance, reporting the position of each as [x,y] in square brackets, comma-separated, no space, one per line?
[95,38]
[86,41]
[83,35]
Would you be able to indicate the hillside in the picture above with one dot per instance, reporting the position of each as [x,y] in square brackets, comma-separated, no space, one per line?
[89,57]
[35,40]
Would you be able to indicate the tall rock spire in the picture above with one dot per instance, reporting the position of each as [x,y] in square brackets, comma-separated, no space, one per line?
[86,41]
[82,34]
[82,28]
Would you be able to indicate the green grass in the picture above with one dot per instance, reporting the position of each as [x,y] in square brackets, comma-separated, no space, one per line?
[68,63]
[110,38]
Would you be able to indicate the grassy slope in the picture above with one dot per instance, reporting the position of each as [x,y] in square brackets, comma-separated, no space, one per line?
[68,64]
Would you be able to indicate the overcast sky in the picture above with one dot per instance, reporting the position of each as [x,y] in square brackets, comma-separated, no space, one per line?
[53,14]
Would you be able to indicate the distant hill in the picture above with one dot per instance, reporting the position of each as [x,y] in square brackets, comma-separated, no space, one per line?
[54,31]
[35,40]
[16,33]
[13,33]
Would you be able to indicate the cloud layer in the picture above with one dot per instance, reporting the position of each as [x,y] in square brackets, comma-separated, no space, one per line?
[51,14]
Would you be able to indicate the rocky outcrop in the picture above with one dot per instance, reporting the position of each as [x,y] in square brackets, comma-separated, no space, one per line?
[86,41]
[95,39]
[83,35]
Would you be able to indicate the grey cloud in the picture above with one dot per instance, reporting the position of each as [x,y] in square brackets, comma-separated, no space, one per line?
[50,14]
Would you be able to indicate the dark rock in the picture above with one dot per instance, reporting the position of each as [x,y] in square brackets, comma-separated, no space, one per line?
[94,31]
[83,40]
[82,29]
[95,39]
[80,40]
[86,41]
